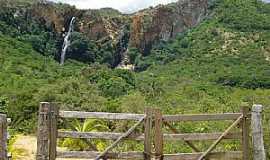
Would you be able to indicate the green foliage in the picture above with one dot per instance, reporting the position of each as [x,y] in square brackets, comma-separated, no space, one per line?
[113,83]
[23,73]
[43,43]
[248,15]
[81,48]
[3,105]
[88,125]
[212,68]
[133,53]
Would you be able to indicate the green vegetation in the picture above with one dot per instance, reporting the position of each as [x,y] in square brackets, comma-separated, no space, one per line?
[17,23]
[211,68]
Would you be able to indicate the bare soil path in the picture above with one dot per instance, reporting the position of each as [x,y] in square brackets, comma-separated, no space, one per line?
[24,148]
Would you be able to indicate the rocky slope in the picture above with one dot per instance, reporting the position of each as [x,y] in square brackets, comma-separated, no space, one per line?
[141,30]
[165,22]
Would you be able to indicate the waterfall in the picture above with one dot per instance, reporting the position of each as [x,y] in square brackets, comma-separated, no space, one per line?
[66,43]
[123,50]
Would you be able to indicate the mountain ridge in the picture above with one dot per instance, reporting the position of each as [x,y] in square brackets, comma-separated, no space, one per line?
[143,30]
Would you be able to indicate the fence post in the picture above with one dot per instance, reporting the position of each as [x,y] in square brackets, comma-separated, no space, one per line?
[257,133]
[43,135]
[54,112]
[158,139]
[245,131]
[147,134]
[3,137]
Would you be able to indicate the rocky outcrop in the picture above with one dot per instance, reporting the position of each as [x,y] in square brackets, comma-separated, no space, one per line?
[165,22]
[145,28]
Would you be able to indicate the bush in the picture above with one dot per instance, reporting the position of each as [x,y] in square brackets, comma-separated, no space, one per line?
[3,105]
[113,83]
[81,48]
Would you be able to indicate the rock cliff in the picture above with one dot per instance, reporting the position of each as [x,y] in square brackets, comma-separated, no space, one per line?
[142,29]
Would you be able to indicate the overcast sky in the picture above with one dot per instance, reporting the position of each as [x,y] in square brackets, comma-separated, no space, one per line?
[121,5]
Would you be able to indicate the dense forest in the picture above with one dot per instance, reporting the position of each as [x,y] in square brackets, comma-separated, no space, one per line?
[213,67]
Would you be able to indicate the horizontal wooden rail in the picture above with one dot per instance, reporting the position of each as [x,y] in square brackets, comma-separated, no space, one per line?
[140,137]
[168,118]
[92,155]
[236,155]
[100,115]
[199,136]
[98,135]
[202,117]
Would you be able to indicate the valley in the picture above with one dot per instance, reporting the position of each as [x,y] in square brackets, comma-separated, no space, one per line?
[188,57]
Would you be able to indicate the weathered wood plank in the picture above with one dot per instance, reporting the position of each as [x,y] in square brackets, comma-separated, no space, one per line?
[92,155]
[98,135]
[205,154]
[245,132]
[236,155]
[202,117]
[200,136]
[257,133]
[147,134]
[53,130]
[103,154]
[168,118]
[43,132]
[100,115]
[158,138]
[3,137]
[140,137]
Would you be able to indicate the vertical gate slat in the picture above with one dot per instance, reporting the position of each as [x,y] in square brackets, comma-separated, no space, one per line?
[158,139]
[53,129]
[147,134]
[245,132]
[43,132]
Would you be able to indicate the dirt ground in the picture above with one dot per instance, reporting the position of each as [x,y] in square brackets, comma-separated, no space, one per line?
[24,148]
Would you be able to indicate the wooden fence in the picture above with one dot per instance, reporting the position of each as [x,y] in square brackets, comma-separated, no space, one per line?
[3,137]
[153,123]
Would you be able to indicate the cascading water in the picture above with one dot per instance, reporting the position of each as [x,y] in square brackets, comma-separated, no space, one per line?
[66,43]
[123,45]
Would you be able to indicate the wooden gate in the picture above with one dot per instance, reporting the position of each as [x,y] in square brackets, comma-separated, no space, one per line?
[239,119]
[48,134]
[153,123]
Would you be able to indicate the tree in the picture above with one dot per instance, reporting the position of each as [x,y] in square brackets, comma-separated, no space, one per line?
[80,48]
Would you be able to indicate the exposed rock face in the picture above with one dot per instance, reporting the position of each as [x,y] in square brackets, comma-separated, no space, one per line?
[51,16]
[165,22]
[97,24]
[145,28]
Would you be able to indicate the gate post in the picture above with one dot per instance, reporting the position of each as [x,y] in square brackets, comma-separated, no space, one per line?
[43,131]
[158,139]
[47,131]
[245,131]
[147,134]
[54,112]
[3,137]
[257,133]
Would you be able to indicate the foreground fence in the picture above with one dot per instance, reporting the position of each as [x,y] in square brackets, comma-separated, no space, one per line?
[153,138]
[3,137]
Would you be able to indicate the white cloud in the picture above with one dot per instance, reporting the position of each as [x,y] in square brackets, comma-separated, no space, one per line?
[122,5]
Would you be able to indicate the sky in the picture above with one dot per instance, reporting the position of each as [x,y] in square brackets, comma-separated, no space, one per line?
[126,6]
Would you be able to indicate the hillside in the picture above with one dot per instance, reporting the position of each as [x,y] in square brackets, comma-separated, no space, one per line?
[103,35]
[213,67]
